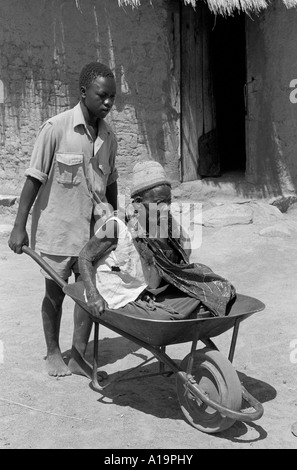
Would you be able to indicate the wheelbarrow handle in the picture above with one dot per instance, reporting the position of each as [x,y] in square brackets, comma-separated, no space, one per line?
[44,265]
[192,386]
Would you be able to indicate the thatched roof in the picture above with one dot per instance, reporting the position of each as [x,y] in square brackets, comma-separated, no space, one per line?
[224,7]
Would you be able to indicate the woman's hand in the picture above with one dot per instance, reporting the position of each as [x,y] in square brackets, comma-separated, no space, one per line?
[145,253]
[96,303]
[103,242]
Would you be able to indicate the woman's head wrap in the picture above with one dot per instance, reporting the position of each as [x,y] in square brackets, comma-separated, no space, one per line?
[147,175]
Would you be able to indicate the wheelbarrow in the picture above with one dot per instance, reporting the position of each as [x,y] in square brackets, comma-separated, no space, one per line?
[209,391]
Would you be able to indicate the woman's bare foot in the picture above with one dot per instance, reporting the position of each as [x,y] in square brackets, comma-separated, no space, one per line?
[56,367]
[79,366]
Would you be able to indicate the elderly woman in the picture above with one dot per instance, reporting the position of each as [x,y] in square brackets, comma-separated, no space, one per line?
[139,268]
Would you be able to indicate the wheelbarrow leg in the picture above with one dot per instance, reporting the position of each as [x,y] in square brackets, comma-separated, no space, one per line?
[192,353]
[209,343]
[161,364]
[234,340]
[95,382]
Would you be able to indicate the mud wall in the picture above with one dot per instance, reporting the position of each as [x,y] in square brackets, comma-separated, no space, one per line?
[272,117]
[43,46]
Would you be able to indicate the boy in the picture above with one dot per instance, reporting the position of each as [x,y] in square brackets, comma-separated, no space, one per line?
[72,171]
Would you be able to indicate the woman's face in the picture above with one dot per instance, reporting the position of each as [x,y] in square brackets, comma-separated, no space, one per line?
[156,206]
[161,195]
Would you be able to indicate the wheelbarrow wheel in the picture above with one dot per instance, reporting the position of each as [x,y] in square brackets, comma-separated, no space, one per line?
[218,380]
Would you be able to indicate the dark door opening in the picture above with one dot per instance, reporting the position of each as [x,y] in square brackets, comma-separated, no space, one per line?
[228,50]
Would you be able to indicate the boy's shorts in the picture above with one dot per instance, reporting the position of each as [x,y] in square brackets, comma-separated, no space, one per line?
[63,265]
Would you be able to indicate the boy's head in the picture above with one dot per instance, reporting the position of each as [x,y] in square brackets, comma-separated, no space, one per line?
[91,71]
[97,88]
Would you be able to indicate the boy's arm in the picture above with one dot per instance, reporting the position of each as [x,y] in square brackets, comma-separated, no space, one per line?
[104,241]
[19,236]
[40,163]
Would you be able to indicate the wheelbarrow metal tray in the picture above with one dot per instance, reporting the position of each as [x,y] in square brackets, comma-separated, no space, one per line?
[166,332]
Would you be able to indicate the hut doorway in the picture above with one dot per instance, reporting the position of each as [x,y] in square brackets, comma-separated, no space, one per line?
[213,77]
[228,51]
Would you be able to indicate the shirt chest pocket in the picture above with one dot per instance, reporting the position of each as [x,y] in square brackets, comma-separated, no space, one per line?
[69,168]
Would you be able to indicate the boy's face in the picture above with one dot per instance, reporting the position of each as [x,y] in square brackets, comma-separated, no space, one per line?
[99,96]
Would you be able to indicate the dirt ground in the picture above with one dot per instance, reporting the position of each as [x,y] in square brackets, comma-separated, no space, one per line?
[39,412]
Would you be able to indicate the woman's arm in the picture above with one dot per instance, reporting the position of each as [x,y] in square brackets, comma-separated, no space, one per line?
[151,275]
[112,195]
[104,241]
[150,271]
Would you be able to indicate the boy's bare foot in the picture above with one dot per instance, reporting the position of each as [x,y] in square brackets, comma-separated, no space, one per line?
[56,367]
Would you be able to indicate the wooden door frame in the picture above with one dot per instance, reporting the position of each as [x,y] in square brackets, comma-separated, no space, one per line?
[197,103]
[198,114]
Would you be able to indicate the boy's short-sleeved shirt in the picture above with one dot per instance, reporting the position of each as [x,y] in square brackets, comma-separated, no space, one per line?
[70,166]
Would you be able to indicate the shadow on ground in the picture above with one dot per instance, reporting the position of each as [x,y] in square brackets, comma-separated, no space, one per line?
[143,388]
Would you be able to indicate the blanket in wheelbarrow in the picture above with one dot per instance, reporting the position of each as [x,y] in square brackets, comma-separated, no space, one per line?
[194,279]
[169,304]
